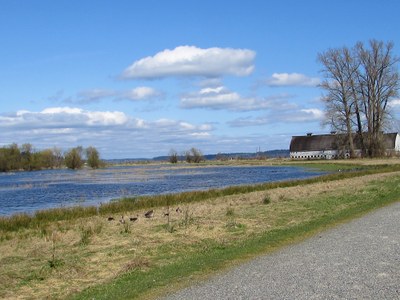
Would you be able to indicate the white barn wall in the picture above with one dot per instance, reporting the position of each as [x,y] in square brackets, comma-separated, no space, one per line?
[397,143]
[327,154]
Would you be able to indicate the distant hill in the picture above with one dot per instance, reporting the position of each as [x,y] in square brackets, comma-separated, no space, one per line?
[284,153]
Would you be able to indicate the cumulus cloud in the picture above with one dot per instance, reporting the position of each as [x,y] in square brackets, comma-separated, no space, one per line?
[115,133]
[193,61]
[219,98]
[211,98]
[291,79]
[63,117]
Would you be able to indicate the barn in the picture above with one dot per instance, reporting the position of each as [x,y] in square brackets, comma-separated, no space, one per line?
[328,146]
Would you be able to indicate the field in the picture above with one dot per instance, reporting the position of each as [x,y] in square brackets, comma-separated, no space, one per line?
[190,236]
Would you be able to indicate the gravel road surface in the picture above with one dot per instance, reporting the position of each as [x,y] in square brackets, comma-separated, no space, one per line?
[357,260]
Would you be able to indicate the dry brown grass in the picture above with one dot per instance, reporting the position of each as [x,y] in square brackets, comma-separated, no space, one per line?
[69,256]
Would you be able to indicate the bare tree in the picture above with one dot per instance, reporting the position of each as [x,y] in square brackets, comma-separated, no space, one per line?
[378,82]
[194,156]
[173,156]
[359,83]
[58,157]
[339,68]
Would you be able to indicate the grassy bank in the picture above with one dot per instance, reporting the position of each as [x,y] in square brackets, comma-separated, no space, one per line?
[91,257]
[305,218]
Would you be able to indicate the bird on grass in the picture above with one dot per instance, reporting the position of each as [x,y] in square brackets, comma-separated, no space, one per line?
[110,219]
[122,220]
[149,214]
[178,210]
[133,219]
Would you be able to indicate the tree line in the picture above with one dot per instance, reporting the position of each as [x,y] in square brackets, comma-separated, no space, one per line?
[25,157]
[359,83]
[193,155]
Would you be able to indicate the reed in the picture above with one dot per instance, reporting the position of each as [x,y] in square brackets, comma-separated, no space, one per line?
[43,217]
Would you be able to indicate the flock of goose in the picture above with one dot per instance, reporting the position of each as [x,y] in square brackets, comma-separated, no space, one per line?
[148,215]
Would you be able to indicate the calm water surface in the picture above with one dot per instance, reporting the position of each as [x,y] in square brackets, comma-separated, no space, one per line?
[31,191]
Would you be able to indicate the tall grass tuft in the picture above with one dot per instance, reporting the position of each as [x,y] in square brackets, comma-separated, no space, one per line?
[15,222]
[54,262]
[267,199]
[67,213]
[230,212]
[86,233]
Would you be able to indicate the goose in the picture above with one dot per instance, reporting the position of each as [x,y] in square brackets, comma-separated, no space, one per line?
[122,220]
[149,214]
[133,219]
[178,210]
[110,219]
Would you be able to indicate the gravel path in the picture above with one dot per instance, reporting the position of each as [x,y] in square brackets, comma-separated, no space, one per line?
[357,260]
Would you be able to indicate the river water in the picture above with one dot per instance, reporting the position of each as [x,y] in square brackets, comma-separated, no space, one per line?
[27,192]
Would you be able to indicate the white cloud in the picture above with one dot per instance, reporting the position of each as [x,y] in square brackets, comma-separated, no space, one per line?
[219,98]
[54,110]
[310,114]
[63,118]
[186,125]
[212,98]
[292,79]
[303,115]
[114,133]
[193,61]
[216,90]
[394,103]
[200,134]
[94,95]
[98,95]
[106,118]
[140,93]
[67,115]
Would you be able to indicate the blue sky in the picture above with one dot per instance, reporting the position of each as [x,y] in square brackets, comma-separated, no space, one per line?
[138,78]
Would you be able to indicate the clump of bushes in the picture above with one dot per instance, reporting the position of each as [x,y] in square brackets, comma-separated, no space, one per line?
[193,155]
